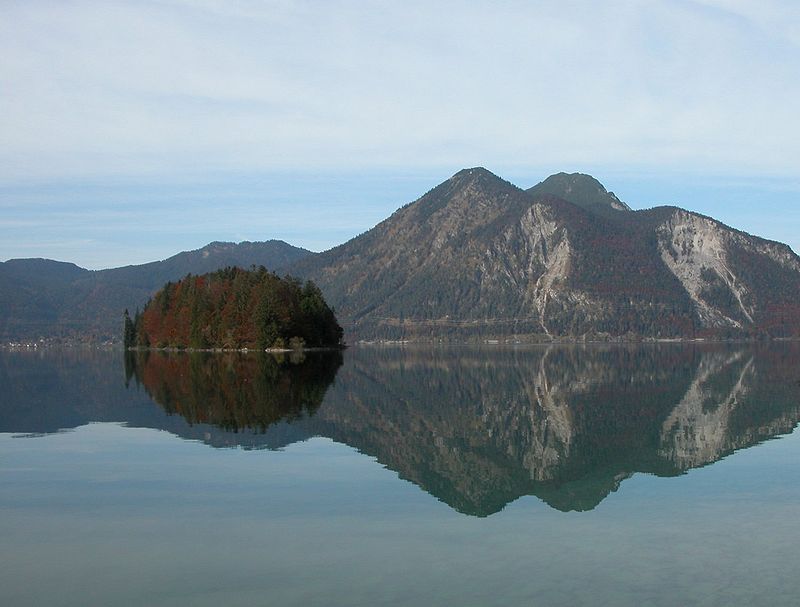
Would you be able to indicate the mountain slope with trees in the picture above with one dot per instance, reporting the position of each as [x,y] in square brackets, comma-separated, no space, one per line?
[45,298]
[582,190]
[477,257]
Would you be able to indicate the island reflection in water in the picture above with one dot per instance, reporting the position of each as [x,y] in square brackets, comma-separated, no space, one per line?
[233,391]
[478,428]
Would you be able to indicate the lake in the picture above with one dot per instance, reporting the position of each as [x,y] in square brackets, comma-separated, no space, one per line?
[656,474]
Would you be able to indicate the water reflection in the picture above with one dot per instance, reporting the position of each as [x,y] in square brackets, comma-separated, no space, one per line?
[234,391]
[479,429]
[476,428]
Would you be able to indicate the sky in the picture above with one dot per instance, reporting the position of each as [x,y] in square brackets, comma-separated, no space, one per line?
[130,131]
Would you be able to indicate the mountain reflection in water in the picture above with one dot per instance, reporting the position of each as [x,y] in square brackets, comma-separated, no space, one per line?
[476,428]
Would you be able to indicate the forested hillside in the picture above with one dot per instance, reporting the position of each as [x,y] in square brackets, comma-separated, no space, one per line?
[475,258]
[56,300]
[479,258]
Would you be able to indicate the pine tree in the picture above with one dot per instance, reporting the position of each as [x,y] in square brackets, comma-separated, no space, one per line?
[129,332]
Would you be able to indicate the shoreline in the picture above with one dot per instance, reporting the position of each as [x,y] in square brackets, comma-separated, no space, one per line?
[240,350]
[105,345]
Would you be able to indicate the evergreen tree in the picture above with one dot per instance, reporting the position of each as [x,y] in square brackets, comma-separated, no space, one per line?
[129,331]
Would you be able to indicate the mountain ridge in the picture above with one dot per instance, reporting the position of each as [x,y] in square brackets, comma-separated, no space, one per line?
[475,258]
[76,303]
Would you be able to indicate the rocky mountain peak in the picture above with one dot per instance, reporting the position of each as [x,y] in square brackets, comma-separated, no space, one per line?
[473,173]
[470,194]
[477,178]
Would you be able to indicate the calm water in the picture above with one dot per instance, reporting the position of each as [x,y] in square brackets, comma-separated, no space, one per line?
[417,476]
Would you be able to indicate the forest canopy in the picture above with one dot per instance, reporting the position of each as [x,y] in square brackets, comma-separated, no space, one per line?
[234,309]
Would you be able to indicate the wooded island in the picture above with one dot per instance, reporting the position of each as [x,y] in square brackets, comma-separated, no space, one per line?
[234,309]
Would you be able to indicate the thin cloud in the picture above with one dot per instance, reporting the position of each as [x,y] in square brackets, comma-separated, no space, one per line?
[121,88]
[122,121]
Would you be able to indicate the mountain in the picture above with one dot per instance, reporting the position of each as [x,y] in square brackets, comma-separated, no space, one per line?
[582,190]
[45,298]
[479,258]
[32,294]
[475,258]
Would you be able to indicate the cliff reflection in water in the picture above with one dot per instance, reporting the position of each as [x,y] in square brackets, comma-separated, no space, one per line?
[479,428]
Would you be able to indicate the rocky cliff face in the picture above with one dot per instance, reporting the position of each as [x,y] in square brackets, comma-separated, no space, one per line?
[478,258]
[717,267]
